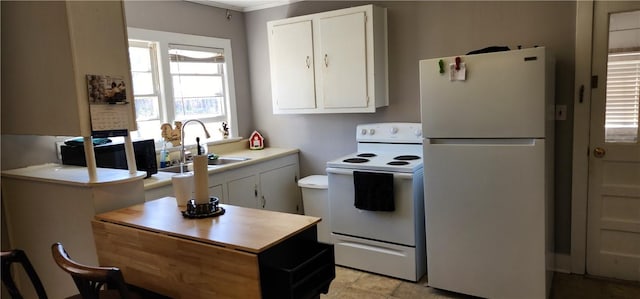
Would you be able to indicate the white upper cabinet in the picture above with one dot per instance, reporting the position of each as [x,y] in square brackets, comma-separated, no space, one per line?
[48,48]
[293,63]
[331,62]
[343,72]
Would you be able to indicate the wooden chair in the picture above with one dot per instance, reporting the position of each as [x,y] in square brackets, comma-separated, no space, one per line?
[90,280]
[18,256]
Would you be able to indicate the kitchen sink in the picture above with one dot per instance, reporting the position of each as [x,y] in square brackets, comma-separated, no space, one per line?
[218,161]
[176,168]
[227,160]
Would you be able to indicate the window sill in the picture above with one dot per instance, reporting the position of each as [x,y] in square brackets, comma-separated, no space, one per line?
[223,141]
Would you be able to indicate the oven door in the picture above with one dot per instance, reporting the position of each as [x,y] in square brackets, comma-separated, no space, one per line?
[398,226]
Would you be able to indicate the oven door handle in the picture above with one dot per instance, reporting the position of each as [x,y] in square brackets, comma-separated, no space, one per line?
[396,175]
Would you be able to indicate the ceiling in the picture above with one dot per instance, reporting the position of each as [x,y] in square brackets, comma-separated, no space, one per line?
[244,5]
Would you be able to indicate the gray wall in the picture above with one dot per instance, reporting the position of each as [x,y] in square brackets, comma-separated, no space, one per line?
[175,16]
[417,30]
[192,18]
[420,30]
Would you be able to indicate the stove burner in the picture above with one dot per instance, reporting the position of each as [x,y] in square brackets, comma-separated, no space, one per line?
[367,155]
[398,163]
[406,157]
[355,160]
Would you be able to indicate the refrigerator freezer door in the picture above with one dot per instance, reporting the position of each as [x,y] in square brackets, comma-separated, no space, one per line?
[505,95]
[485,216]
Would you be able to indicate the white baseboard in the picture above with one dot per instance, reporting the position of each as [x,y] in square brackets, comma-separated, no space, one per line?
[562,262]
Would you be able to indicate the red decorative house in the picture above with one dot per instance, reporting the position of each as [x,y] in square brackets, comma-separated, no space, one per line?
[256,141]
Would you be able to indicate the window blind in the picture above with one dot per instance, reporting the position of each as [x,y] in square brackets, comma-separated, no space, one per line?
[623,93]
[185,53]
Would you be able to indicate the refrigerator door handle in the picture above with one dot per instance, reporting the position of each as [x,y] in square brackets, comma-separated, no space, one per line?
[484,141]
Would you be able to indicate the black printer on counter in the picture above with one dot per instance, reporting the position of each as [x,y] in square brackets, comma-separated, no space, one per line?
[112,155]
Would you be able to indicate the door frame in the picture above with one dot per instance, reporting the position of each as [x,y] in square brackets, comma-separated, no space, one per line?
[585,10]
[581,126]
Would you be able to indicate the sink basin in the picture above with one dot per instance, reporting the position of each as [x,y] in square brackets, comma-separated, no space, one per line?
[189,166]
[227,160]
[176,168]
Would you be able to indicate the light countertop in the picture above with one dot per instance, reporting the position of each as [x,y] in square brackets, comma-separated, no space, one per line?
[255,156]
[250,230]
[79,175]
[72,175]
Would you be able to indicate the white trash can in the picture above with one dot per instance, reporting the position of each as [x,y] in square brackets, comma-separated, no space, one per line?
[316,203]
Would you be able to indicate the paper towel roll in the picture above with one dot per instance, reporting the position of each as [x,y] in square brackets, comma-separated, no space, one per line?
[201,179]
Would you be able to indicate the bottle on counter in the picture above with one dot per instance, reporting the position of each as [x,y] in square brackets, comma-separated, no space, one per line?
[164,156]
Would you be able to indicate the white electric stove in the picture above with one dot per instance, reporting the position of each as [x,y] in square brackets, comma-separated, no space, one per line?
[389,241]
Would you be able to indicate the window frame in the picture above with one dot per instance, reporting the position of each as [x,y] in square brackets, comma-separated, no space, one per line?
[155,74]
[163,39]
[219,73]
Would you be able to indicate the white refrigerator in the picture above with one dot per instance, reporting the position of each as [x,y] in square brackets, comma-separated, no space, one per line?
[488,169]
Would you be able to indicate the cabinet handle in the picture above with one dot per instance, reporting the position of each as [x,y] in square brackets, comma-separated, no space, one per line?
[308,62]
[264,202]
[255,191]
[326,60]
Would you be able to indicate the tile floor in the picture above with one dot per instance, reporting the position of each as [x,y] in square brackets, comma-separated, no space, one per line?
[355,284]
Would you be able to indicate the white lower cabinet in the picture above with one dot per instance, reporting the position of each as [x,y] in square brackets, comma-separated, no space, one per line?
[167,190]
[279,190]
[243,191]
[272,185]
[159,192]
[216,191]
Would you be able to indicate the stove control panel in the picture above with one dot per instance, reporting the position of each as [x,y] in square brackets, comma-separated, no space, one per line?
[390,132]
[369,131]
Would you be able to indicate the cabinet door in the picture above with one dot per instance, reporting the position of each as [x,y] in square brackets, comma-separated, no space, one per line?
[243,192]
[279,190]
[291,50]
[160,192]
[216,191]
[342,61]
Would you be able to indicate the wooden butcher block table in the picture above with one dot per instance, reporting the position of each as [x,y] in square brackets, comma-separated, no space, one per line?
[244,253]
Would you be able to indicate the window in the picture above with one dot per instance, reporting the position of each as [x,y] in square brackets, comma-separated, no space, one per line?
[177,77]
[198,81]
[622,103]
[144,73]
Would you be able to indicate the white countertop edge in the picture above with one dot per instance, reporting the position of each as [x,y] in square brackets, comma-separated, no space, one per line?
[72,175]
[256,156]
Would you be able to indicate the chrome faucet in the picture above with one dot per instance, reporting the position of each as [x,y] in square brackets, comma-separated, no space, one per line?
[182,155]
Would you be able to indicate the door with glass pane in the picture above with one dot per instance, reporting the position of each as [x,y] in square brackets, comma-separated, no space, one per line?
[613,228]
